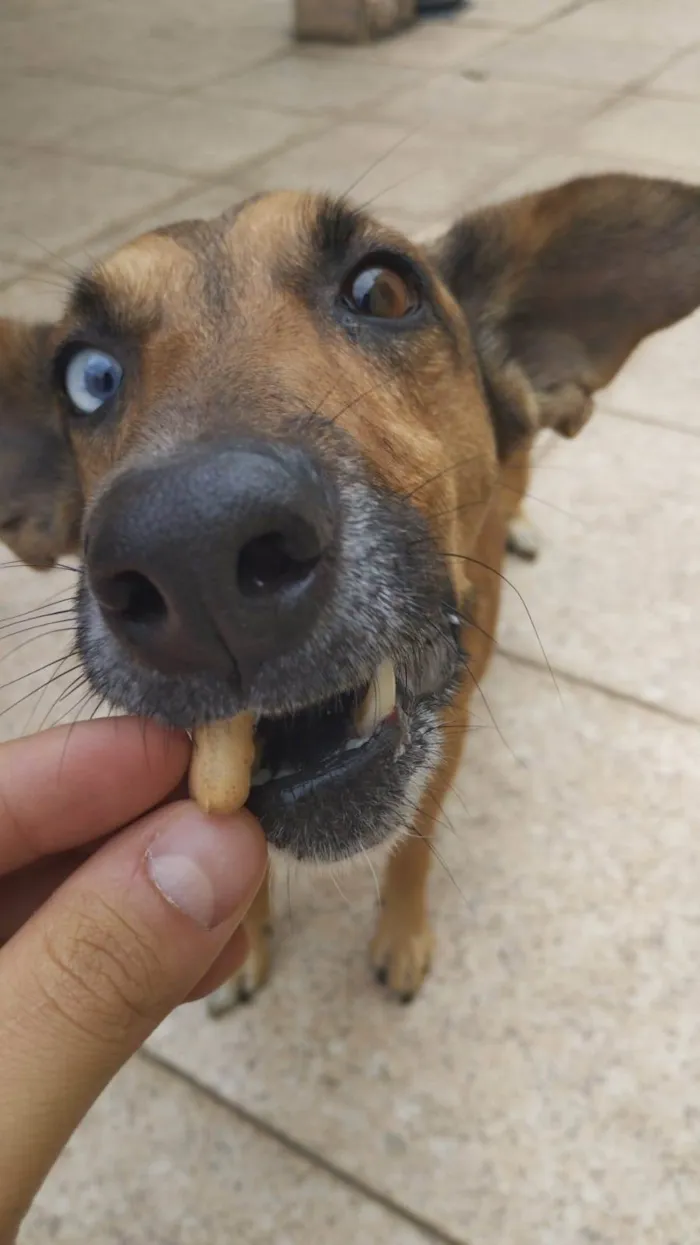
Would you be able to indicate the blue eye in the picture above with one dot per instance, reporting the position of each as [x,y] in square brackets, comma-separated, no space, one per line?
[91,379]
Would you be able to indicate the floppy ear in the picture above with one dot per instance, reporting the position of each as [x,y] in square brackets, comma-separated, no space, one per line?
[40,502]
[560,286]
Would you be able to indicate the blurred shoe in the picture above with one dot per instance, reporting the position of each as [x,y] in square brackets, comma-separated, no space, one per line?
[425,8]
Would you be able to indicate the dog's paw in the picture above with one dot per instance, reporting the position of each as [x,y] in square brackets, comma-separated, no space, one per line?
[250,977]
[401,956]
[523,539]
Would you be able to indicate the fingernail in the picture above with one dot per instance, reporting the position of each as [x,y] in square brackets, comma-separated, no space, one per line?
[207,867]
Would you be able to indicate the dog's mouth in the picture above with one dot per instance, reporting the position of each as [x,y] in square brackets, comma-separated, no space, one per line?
[341,773]
[326,776]
[349,719]
[301,752]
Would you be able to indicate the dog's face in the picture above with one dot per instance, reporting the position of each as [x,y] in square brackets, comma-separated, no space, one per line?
[268,493]
[287,425]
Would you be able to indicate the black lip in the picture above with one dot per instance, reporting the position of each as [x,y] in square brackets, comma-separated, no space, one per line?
[302,813]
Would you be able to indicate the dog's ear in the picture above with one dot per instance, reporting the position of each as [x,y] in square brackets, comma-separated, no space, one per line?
[560,286]
[40,501]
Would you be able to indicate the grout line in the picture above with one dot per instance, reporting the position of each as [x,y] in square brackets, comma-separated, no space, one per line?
[583,681]
[431,1231]
[649,421]
[551,19]
[63,148]
[85,78]
[197,184]
[647,85]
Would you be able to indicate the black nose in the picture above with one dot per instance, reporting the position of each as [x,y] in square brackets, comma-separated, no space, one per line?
[215,559]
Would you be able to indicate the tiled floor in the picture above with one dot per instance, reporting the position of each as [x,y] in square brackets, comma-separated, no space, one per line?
[545,1088]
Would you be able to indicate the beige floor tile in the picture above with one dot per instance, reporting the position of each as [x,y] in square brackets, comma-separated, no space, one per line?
[551,169]
[447,188]
[614,595]
[241,14]
[99,45]
[41,110]
[505,12]
[38,295]
[546,56]
[333,161]
[680,78]
[310,84]
[524,113]
[673,24]
[52,201]
[42,292]
[423,229]
[649,128]
[203,204]
[40,682]
[431,46]
[191,135]
[388,167]
[157,1162]
[663,380]
[9,271]
[541,1090]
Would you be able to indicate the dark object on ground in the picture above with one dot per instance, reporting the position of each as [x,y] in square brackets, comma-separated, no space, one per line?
[426,8]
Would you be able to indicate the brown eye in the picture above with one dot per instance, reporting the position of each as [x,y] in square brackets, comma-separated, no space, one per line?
[381,293]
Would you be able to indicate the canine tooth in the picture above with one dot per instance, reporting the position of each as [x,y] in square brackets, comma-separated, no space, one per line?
[285,771]
[351,744]
[260,777]
[379,701]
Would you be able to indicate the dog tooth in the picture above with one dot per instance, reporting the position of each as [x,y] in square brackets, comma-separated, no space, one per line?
[285,771]
[350,745]
[379,701]
[260,777]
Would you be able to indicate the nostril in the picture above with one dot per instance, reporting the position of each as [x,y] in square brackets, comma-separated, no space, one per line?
[268,564]
[132,597]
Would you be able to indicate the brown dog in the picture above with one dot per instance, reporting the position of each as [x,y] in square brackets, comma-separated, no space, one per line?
[300,441]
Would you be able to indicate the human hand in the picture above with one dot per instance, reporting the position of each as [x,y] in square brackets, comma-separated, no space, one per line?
[103,936]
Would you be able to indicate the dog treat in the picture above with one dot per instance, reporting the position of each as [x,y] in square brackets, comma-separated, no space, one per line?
[222,764]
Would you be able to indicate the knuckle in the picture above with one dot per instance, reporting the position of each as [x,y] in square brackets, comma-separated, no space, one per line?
[101,974]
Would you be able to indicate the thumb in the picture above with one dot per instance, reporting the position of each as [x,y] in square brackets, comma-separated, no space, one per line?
[82,985]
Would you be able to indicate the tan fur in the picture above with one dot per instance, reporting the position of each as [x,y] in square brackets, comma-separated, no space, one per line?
[544,299]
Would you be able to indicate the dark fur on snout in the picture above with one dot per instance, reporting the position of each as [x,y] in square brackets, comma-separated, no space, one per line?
[419,423]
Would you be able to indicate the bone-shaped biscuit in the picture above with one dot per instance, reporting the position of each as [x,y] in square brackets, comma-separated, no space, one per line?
[222,764]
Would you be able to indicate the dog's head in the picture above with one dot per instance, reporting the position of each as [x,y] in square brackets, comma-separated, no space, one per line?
[286,422]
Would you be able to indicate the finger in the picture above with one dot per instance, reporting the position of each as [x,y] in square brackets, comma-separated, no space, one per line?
[34,887]
[123,941]
[72,784]
[22,893]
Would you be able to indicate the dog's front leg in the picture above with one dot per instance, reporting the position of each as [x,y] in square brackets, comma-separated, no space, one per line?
[254,972]
[402,946]
[523,538]
[403,943]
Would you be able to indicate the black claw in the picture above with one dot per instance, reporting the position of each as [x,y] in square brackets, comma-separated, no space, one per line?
[382,974]
[407,996]
[244,994]
[525,555]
